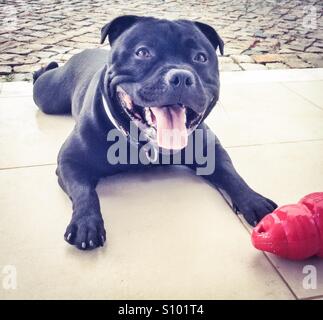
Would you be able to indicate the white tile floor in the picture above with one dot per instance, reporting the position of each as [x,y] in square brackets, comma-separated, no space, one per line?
[169,245]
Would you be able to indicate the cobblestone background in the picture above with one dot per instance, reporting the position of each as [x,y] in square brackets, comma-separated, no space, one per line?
[258,34]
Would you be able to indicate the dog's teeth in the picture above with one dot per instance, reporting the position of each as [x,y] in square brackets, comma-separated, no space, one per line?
[148,116]
[151,131]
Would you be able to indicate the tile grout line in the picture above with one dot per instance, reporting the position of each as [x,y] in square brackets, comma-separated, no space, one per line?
[301,96]
[273,266]
[312,298]
[29,166]
[277,271]
[251,82]
[228,80]
[237,217]
[272,143]
[228,76]
[227,147]
[266,257]
[312,74]
[15,96]
[281,276]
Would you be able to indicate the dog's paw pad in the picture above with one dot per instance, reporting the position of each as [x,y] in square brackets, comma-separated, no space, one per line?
[86,232]
[255,207]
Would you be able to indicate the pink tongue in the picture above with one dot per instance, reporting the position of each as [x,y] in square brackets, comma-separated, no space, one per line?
[171,128]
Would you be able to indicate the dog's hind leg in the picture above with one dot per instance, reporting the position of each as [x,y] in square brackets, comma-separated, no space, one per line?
[52,89]
[38,73]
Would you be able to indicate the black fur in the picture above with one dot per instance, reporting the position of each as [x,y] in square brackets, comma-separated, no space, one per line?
[78,86]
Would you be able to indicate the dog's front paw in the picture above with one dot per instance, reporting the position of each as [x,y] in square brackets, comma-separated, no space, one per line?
[86,232]
[254,207]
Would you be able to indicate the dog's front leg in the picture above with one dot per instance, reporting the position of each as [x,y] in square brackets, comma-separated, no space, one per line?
[224,176]
[86,229]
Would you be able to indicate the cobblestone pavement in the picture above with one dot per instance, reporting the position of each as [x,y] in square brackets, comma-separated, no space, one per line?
[258,34]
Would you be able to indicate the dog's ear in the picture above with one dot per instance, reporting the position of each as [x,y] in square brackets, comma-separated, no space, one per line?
[118,25]
[212,35]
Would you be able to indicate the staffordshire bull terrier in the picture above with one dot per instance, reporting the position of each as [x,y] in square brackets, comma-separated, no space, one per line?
[160,77]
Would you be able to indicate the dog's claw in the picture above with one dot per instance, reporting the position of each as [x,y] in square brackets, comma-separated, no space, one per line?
[254,207]
[84,231]
[102,241]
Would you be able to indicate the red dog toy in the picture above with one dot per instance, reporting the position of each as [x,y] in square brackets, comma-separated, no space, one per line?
[293,231]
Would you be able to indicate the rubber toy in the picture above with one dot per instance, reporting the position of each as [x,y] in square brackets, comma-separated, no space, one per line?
[293,231]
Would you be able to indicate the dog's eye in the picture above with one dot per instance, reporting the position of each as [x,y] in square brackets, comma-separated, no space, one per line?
[200,57]
[143,53]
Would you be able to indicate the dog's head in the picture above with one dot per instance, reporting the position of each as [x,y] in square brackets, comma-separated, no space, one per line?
[162,75]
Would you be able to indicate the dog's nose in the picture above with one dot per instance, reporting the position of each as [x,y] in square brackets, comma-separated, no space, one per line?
[180,78]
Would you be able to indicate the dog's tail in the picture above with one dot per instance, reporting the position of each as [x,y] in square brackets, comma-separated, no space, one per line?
[38,73]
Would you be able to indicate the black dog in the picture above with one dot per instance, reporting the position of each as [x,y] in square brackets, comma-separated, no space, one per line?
[159,75]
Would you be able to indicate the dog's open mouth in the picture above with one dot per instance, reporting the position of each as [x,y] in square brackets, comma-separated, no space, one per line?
[167,126]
